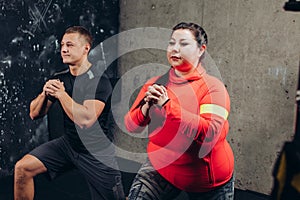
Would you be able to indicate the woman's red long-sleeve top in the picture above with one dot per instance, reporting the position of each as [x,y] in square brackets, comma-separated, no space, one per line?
[187,136]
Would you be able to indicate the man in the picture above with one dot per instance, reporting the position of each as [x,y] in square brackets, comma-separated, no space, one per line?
[82,92]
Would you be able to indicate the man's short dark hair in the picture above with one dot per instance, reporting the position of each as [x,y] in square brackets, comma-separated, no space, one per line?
[82,31]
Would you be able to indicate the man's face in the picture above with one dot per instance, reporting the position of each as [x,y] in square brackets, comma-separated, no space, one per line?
[73,49]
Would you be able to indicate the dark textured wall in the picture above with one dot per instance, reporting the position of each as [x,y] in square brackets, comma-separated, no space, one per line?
[29,53]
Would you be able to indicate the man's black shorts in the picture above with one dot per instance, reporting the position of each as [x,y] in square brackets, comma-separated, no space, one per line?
[104,181]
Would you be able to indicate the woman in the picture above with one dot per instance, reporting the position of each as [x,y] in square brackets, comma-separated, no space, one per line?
[186,113]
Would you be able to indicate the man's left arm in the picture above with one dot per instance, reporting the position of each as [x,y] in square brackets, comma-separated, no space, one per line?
[84,115]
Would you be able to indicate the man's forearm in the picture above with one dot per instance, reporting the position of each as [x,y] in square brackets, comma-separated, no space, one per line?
[39,106]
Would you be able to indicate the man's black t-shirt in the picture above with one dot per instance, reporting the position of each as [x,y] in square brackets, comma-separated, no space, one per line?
[92,85]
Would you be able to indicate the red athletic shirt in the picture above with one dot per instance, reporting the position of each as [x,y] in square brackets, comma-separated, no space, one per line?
[187,136]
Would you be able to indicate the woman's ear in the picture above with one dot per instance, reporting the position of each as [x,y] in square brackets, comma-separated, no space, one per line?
[203,47]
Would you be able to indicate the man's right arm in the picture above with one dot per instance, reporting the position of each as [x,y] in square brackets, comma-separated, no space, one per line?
[39,106]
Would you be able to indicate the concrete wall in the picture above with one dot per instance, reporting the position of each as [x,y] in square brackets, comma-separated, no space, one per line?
[255,45]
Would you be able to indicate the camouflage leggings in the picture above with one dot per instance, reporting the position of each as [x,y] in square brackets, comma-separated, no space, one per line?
[150,185]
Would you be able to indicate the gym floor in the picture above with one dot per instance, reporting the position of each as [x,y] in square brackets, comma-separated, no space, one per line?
[72,186]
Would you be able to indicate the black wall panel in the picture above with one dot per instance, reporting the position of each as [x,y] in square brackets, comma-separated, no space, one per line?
[29,53]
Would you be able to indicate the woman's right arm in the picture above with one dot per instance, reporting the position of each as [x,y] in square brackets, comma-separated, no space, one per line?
[137,117]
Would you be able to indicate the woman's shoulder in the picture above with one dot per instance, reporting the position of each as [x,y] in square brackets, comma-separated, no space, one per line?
[212,80]
[214,83]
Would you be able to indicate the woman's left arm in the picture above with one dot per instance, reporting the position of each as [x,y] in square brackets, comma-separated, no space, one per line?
[207,125]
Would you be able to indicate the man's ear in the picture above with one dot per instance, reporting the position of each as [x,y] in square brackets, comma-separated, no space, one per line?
[87,47]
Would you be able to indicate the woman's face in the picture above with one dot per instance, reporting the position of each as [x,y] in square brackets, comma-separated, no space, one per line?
[183,52]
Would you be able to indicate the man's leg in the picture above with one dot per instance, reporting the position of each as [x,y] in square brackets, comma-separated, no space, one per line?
[104,181]
[25,169]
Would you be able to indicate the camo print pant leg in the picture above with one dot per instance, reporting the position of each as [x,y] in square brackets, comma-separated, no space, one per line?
[150,185]
[224,192]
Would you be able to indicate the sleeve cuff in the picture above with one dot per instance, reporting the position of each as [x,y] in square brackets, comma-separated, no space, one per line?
[165,103]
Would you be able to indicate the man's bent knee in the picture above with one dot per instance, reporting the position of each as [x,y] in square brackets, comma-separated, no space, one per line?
[28,167]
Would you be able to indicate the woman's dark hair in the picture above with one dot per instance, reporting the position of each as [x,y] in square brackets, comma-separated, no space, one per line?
[82,31]
[198,32]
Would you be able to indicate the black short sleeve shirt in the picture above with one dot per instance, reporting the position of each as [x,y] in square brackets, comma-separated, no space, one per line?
[92,85]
